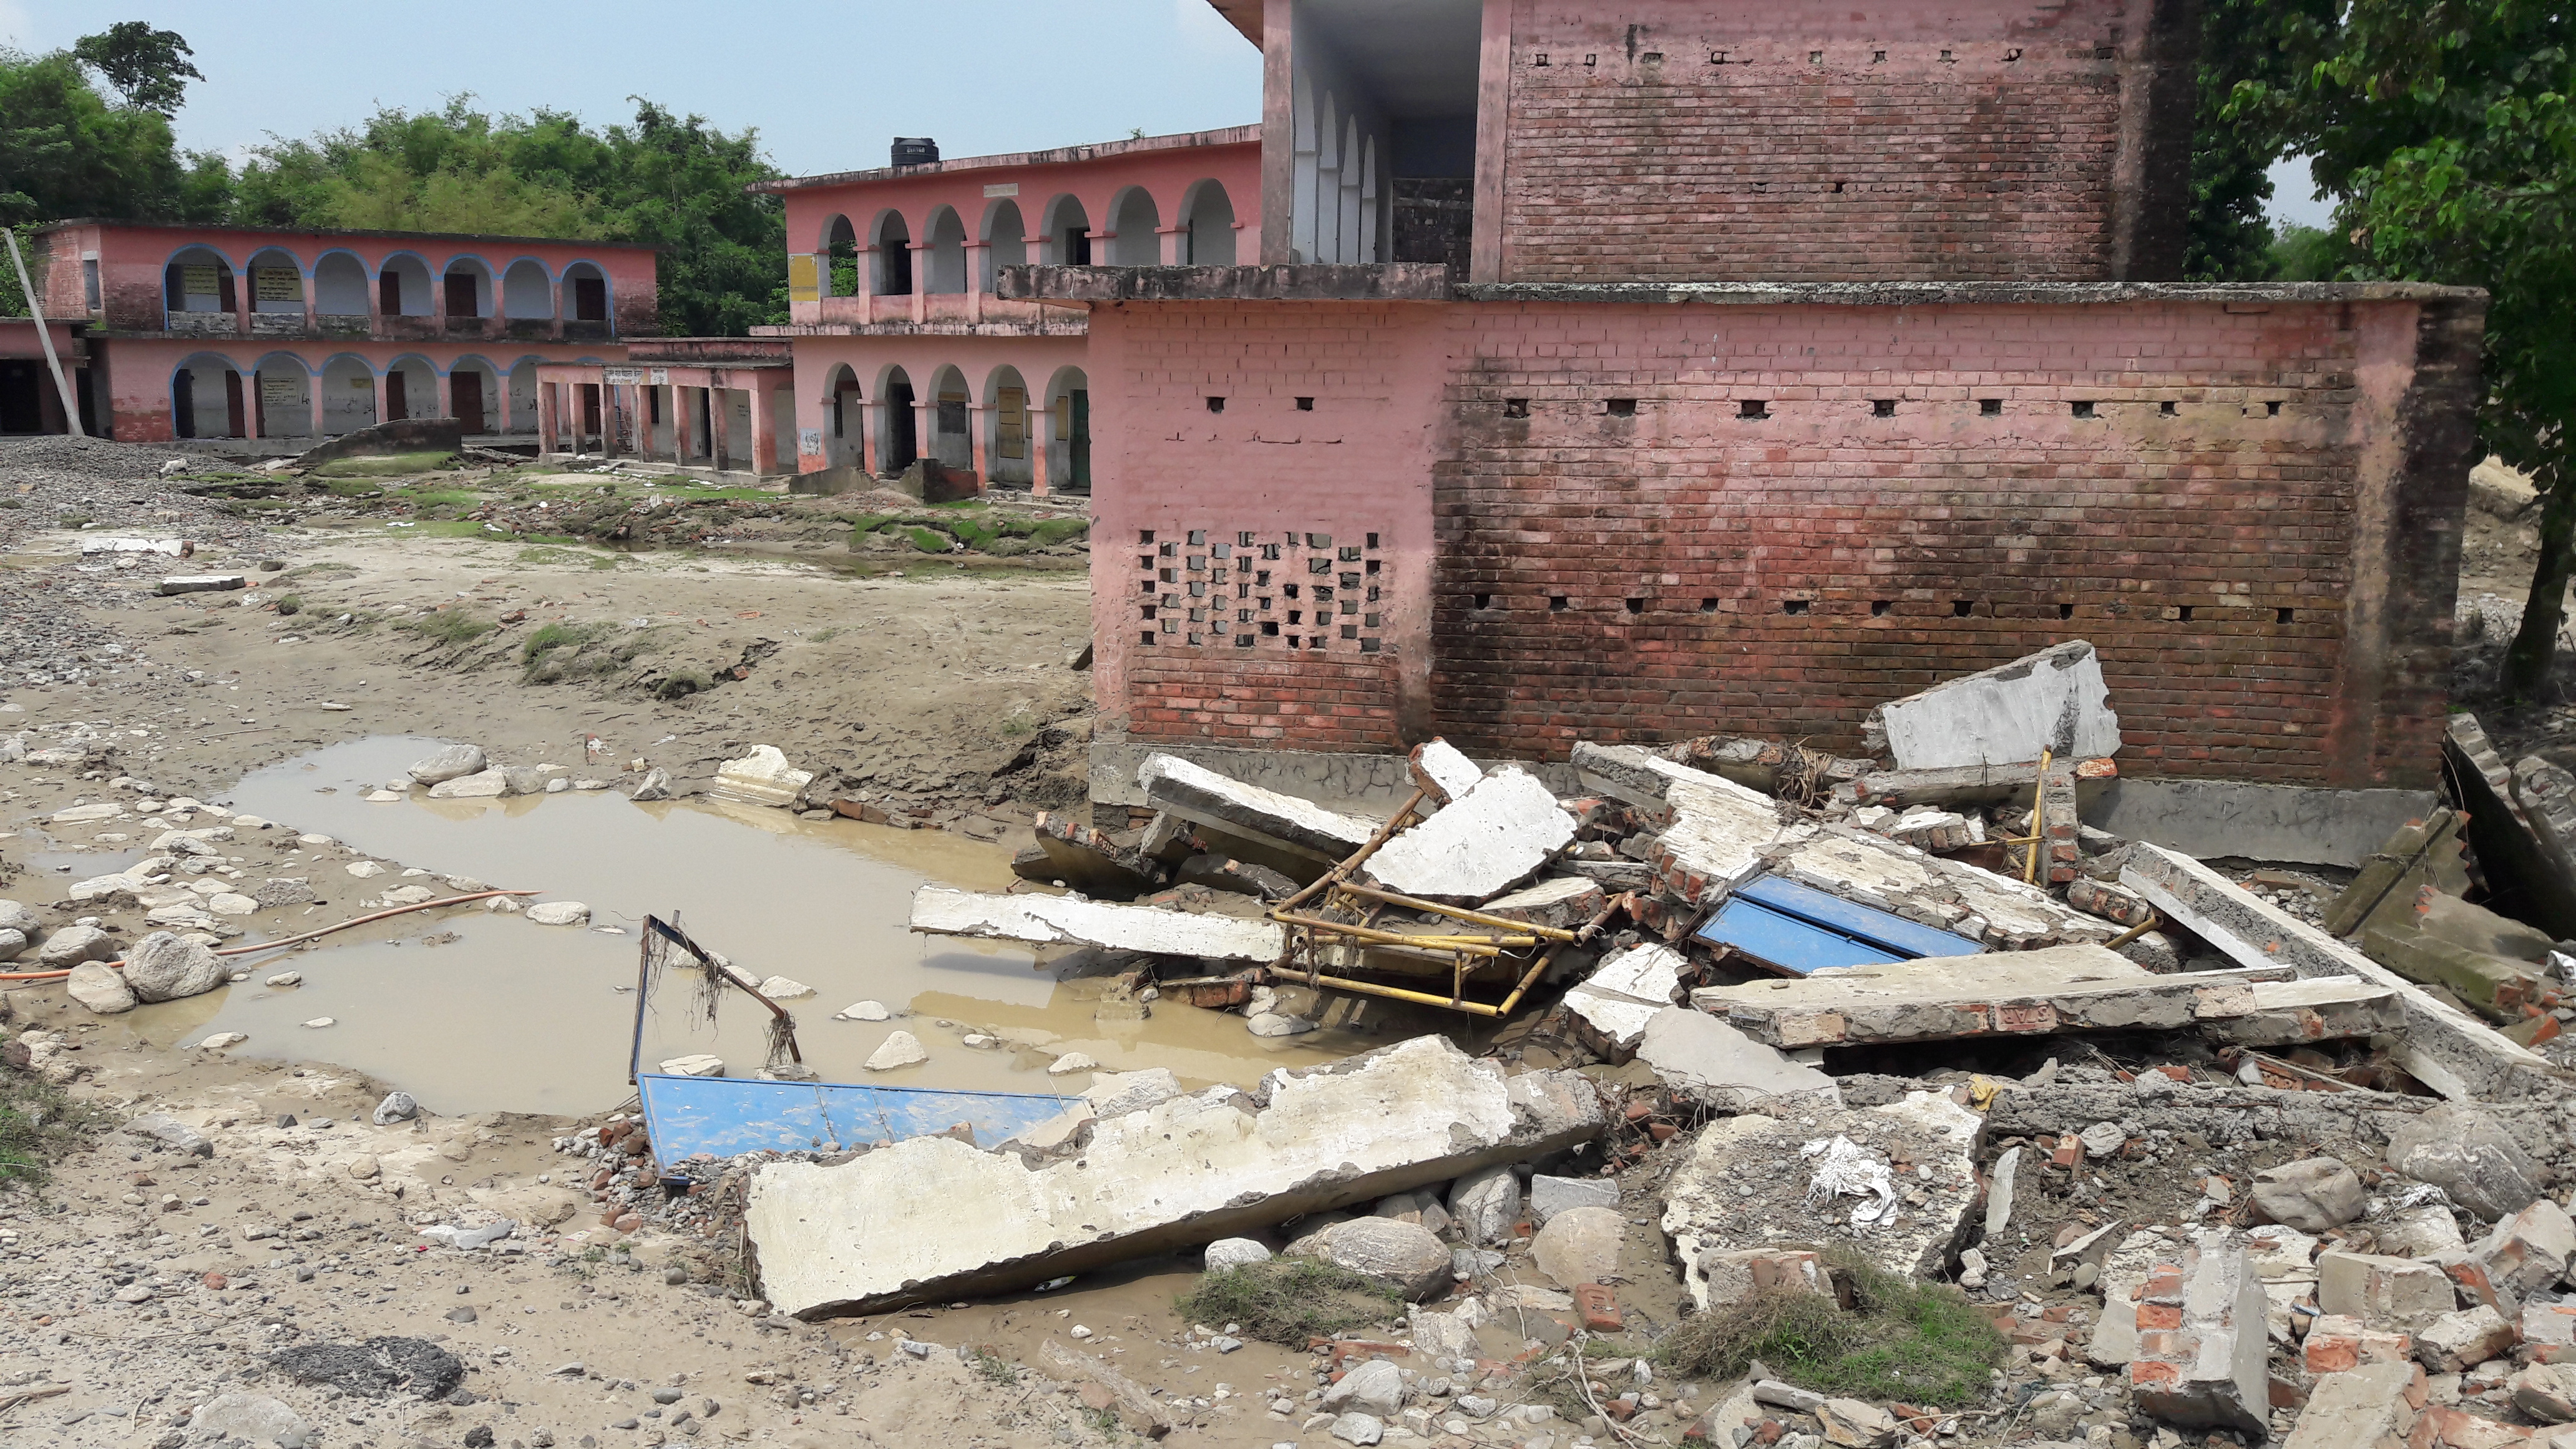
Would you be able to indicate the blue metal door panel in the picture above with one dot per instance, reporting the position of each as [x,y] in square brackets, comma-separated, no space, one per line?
[1910,938]
[728,1116]
[1786,943]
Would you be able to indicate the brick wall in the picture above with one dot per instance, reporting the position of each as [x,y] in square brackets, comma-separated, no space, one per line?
[1991,139]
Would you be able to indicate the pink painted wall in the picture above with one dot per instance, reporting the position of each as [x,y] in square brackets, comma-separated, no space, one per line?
[1045,366]
[140,370]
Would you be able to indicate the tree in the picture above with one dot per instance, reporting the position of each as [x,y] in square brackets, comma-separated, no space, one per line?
[64,151]
[150,66]
[2250,52]
[2444,127]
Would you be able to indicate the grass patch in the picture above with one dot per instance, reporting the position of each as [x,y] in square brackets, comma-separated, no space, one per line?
[71,520]
[560,652]
[332,569]
[682,682]
[38,1125]
[388,465]
[450,627]
[825,635]
[927,540]
[442,498]
[291,604]
[563,557]
[453,528]
[1921,1343]
[992,1368]
[1289,1300]
[350,487]
[1057,530]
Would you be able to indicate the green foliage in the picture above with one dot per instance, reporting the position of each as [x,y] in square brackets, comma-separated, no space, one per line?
[682,682]
[926,540]
[2308,254]
[1920,1343]
[38,1124]
[1058,530]
[2249,50]
[450,627]
[64,151]
[385,465]
[1289,1300]
[291,604]
[150,66]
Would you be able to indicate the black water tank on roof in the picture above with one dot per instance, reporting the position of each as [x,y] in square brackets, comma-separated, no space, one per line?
[915,150]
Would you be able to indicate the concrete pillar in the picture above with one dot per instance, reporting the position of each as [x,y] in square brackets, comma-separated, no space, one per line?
[446,395]
[1041,434]
[250,403]
[548,439]
[855,414]
[501,408]
[314,392]
[243,304]
[920,280]
[684,418]
[764,430]
[925,423]
[554,290]
[719,428]
[977,416]
[1170,239]
[376,313]
[977,287]
[310,314]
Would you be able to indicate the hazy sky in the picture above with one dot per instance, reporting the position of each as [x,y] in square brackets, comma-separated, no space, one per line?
[827,86]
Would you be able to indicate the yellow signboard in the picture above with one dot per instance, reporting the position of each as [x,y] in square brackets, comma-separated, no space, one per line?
[277,284]
[804,278]
[198,279]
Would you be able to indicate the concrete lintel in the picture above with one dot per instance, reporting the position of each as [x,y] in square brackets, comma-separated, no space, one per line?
[1290,823]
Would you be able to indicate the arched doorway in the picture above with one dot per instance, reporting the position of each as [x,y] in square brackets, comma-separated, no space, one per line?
[1067,241]
[947,252]
[844,420]
[1006,444]
[897,430]
[348,395]
[1207,226]
[402,287]
[474,394]
[206,398]
[1067,429]
[340,295]
[951,415]
[1135,230]
[276,288]
[527,297]
[523,398]
[893,247]
[282,395]
[411,388]
[197,291]
[1006,241]
[840,259]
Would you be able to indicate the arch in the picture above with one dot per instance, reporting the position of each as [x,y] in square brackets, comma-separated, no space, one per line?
[1207,224]
[276,281]
[280,388]
[844,418]
[197,279]
[410,388]
[206,397]
[403,286]
[528,292]
[348,386]
[474,393]
[891,240]
[1067,236]
[340,284]
[946,234]
[952,417]
[1301,208]
[587,297]
[1135,225]
[465,288]
[1347,247]
[1065,428]
[840,269]
[1009,428]
[1370,210]
[1006,241]
[523,395]
[899,437]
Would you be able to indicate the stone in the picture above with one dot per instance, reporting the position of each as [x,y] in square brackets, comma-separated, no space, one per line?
[1373,1386]
[899,1049]
[2460,1340]
[2336,1342]
[375,1368]
[255,1417]
[1361,1429]
[2204,1367]
[409,895]
[1485,1207]
[1733,1277]
[449,762]
[2054,702]
[2377,1289]
[364,869]
[1233,1253]
[762,777]
[396,1107]
[1486,842]
[1067,921]
[100,987]
[1406,1254]
[170,1132]
[933,1218]
[13,944]
[72,945]
[2463,1151]
[14,916]
[1711,1065]
[1137,1409]
[2546,1391]
[780,988]
[2424,1232]
[560,913]
[283,892]
[2374,1406]
[2312,1194]
[2103,1139]
[1115,1094]
[164,967]
[1579,1245]
[864,1011]
[2529,1251]
[365,1167]
[1549,1196]
[285,979]
[1063,1066]
[1442,1337]
[222,1039]
[1277,1024]
[656,785]
[490,784]
[1612,1008]
[1853,1423]
[232,903]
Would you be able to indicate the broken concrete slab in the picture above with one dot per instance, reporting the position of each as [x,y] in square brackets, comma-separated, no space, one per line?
[1240,877]
[204,583]
[762,777]
[1442,772]
[1967,785]
[2053,701]
[2323,1008]
[1067,921]
[2202,1348]
[1717,841]
[2292,824]
[1093,861]
[1567,902]
[2522,874]
[1611,1008]
[1284,822]
[2382,1290]
[1482,844]
[1749,1183]
[2001,913]
[2370,1406]
[934,1218]
[1646,779]
[2054,989]
[2443,1047]
[1782,771]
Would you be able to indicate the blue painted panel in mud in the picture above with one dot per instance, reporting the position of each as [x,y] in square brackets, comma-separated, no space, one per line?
[1797,930]
[728,1116]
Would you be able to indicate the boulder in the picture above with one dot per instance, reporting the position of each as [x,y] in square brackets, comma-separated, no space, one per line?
[560,913]
[164,967]
[288,891]
[2312,1194]
[1375,1387]
[1579,1245]
[1549,1196]
[2462,1151]
[255,1417]
[396,1107]
[780,988]
[1233,1253]
[100,987]
[14,916]
[482,785]
[72,945]
[864,1011]
[449,763]
[13,944]
[2547,1392]
[1405,1254]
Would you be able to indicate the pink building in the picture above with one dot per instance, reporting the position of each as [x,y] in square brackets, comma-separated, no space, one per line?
[30,400]
[902,349]
[277,335]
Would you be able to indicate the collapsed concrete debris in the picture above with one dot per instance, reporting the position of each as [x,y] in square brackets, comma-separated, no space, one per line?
[1261,822]
[2053,702]
[937,1218]
[1066,921]
[1489,839]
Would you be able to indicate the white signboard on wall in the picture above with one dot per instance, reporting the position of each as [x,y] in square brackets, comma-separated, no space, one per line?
[621,376]
[809,441]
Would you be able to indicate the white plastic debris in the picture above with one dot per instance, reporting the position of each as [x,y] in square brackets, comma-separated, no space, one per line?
[1846,1169]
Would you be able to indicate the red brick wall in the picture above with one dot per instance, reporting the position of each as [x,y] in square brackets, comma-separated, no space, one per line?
[1973,139]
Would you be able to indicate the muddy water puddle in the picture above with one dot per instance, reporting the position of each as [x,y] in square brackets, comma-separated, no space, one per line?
[475,1011]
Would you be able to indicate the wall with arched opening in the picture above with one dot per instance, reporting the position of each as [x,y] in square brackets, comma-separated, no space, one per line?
[1009,429]
[1135,226]
[1064,430]
[527,293]
[899,439]
[1207,225]
[474,389]
[410,388]
[207,397]
[946,255]
[1066,238]
[890,244]
[276,282]
[340,286]
[839,273]
[348,395]
[523,395]
[585,297]
[844,419]
[952,416]
[281,389]
[465,289]
[403,287]
[197,279]
[1005,236]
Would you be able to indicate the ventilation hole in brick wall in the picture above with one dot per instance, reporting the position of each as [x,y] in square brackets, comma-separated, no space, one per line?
[2271,409]
[1350,553]
[1815,57]
[1369,646]
[1319,566]
[1305,405]
[1797,606]
[1636,606]
[2184,613]
[1620,407]
[1373,565]
[2012,55]
[1838,188]
[1149,613]
[1962,608]
[1222,550]
[1242,641]
[1144,535]
[1216,404]
[1198,538]
[1270,628]
[1539,59]
[2285,616]
[1708,606]
[2165,408]
[1319,540]
[1516,407]
[1145,638]
[1372,540]
[2066,611]
[1145,561]
[1168,550]
[1296,616]
[1878,57]
[1556,602]
[1652,57]
[1197,639]
[1883,408]
[1291,591]
[1878,607]
[1484,601]
[1592,59]
[1947,58]
[1752,408]
[1990,406]
[2081,410]
[1717,57]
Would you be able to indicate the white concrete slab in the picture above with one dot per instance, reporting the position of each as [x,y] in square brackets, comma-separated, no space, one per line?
[1488,840]
[2054,700]
[1065,921]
